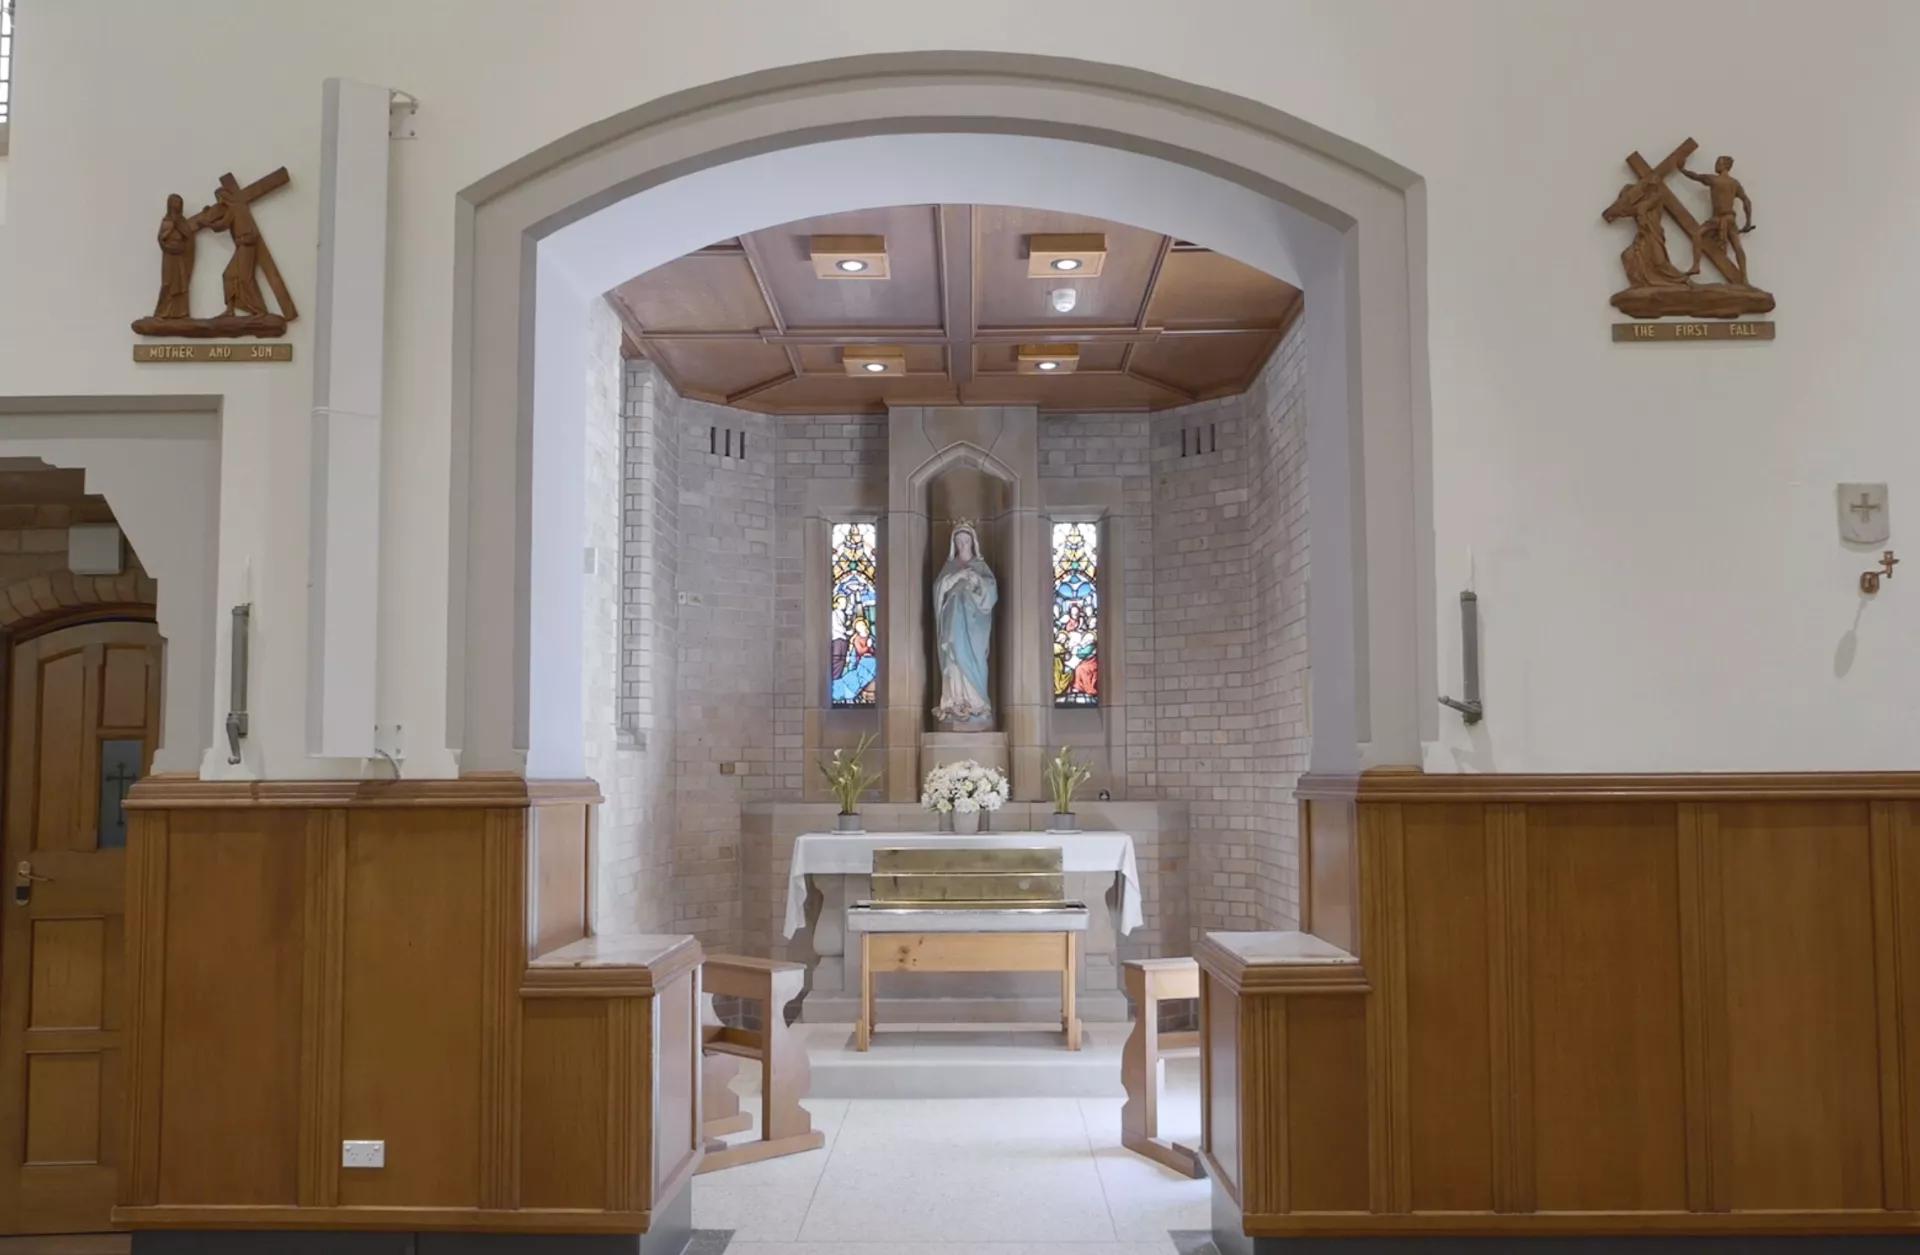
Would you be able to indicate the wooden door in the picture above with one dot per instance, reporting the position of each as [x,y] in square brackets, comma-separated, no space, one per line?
[83,714]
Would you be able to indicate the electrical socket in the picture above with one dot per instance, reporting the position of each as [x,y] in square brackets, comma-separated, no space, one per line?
[363,1154]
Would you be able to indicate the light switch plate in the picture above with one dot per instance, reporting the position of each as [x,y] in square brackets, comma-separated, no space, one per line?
[363,1154]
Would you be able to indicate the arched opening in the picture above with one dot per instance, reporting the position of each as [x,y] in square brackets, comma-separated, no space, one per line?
[542,238]
[541,243]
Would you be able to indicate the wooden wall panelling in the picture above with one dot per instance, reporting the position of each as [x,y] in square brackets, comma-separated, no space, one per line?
[1890,969]
[1509,1001]
[1220,1081]
[561,864]
[1383,929]
[1450,1064]
[1326,1099]
[229,1094]
[419,989]
[677,1140]
[630,1161]
[571,1087]
[502,957]
[1266,1159]
[1331,905]
[1598,909]
[324,933]
[1904,879]
[1803,1115]
[145,1005]
[1703,1000]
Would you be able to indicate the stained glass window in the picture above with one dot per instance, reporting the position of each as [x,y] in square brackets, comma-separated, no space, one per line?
[853,634]
[1076,614]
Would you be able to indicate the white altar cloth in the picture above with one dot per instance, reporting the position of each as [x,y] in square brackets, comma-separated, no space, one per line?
[851,854]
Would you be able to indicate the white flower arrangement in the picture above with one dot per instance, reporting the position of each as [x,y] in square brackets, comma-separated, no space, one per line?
[964,787]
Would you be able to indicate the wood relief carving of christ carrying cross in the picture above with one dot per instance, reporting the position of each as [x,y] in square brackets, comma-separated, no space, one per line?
[1656,287]
[246,311]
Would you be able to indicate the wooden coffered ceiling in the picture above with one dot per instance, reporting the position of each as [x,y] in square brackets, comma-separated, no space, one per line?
[747,322]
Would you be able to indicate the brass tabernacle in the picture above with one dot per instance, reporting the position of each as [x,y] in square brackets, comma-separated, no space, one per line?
[972,879]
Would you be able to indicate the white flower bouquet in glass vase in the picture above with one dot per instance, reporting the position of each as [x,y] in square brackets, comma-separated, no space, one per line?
[964,791]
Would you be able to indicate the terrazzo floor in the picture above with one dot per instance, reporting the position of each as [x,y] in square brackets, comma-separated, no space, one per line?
[965,1176]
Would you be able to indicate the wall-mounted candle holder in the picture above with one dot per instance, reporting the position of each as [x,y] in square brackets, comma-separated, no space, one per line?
[1870,580]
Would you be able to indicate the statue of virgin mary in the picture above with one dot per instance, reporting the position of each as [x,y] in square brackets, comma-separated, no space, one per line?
[964,594]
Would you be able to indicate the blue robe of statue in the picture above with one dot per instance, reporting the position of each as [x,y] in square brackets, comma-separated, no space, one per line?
[964,594]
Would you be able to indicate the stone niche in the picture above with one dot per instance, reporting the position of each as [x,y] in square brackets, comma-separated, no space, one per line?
[943,464]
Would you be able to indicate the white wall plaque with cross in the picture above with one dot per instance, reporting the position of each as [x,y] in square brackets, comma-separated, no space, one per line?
[1863,514]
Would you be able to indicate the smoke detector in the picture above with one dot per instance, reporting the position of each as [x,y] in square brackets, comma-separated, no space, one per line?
[1063,299]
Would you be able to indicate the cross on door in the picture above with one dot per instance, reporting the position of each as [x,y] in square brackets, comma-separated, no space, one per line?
[1865,507]
[122,778]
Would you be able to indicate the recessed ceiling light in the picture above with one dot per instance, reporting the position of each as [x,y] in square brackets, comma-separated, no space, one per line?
[874,362]
[848,256]
[1080,255]
[1046,359]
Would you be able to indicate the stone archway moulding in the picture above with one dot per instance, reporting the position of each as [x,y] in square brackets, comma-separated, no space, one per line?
[1342,222]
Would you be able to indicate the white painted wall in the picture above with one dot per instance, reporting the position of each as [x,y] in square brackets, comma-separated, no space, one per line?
[1651,527]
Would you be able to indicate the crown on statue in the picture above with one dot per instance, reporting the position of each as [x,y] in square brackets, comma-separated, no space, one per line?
[965,525]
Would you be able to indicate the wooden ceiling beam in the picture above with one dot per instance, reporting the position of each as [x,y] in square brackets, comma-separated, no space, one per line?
[757,268]
[1186,396]
[1146,296]
[765,385]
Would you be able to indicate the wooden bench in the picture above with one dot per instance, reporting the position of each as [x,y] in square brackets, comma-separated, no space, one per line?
[1150,982]
[785,1126]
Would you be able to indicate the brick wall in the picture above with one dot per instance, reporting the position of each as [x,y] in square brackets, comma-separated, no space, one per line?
[631,499]
[1204,646]
[1276,408]
[1118,448]
[848,448]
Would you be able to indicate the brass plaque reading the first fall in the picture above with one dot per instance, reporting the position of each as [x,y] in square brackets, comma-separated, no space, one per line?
[1639,332]
[213,352]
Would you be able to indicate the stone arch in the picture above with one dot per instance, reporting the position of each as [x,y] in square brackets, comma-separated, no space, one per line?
[540,238]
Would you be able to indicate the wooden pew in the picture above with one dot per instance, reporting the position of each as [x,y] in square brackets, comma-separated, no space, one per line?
[785,1126]
[1148,982]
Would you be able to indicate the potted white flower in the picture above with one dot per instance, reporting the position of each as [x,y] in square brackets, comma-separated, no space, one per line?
[1064,776]
[964,793]
[847,778]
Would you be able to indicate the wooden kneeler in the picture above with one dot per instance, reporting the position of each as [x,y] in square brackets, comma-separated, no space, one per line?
[1148,982]
[785,1126]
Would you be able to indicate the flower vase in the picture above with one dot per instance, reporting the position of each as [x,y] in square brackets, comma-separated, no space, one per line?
[967,824]
[849,823]
[943,821]
[1063,821]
